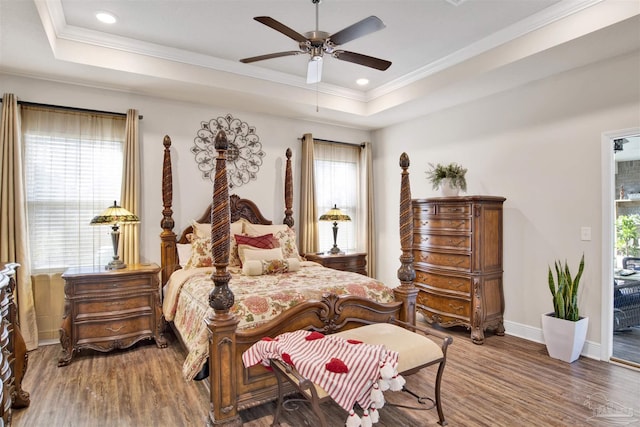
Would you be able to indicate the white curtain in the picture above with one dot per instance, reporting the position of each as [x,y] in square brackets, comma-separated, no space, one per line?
[14,235]
[130,199]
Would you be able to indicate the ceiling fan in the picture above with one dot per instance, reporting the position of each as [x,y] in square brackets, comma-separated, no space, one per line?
[317,43]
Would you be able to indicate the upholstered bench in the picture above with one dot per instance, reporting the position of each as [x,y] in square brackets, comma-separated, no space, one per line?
[415,351]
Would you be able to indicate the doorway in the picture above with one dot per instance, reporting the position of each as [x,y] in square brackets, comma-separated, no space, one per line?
[622,328]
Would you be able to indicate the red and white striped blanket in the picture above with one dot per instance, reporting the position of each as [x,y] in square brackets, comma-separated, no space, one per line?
[317,357]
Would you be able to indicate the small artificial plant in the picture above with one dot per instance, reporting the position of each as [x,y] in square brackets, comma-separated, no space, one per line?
[565,294]
[453,171]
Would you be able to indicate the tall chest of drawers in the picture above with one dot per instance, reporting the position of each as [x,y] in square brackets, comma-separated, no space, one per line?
[457,249]
[110,309]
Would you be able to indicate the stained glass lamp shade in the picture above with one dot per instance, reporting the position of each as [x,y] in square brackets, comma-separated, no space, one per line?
[114,216]
[336,216]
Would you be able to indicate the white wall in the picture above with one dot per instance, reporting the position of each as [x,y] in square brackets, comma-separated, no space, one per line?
[181,121]
[540,147]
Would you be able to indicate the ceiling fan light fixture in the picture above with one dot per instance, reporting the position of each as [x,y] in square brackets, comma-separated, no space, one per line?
[314,70]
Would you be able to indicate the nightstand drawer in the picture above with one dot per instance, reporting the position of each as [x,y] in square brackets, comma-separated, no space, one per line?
[113,306]
[113,329]
[113,284]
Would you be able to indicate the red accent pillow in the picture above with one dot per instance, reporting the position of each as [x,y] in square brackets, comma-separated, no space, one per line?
[354,341]
[261,242]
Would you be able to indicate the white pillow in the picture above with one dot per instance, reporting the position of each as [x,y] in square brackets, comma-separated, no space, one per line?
[203,231]
[249,253]
[261,229]
[184,253]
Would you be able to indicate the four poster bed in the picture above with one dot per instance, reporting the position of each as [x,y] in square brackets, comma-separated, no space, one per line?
[232,308]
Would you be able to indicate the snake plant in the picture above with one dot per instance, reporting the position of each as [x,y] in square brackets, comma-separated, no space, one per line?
[565,294]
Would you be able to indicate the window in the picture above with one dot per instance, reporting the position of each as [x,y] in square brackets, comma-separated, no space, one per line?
[73,170]
[336,175]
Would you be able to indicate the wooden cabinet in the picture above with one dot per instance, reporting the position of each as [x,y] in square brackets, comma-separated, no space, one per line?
[457,249]
[355,262]
[110,309]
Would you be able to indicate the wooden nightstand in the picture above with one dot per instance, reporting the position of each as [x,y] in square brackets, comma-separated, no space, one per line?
[355,262]
[110,309]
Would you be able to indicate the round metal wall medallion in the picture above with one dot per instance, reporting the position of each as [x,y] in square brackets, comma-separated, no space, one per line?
[244,155]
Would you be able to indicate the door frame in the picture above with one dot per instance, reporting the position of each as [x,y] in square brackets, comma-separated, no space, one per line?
[608,236]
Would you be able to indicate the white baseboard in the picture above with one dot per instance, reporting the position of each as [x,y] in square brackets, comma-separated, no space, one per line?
[591,349]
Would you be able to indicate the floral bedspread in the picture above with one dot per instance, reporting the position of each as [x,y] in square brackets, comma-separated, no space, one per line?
[257,300]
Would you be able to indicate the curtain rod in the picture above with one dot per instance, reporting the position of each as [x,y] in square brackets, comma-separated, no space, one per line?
[334,142]
[62,107]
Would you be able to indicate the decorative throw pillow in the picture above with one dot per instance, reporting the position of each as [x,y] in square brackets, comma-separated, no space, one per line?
[287,240]
[247,252]
[203,231]
[265,241]
[200,253]
[275,266]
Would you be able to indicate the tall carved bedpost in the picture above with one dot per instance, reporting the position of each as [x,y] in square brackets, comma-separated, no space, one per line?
[222,324]
[288,192]
[406,292]
[168,251]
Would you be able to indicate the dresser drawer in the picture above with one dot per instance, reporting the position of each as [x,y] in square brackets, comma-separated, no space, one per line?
[445,224]
[446,308]
[445,282]
[449,210]
[443,241]
[102,306]
[113,329]
[461,262]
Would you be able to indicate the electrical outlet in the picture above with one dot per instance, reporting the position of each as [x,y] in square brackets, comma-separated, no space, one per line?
[585,233]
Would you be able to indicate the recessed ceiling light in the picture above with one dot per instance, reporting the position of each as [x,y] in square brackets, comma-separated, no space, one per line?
[106,17]
[362,82]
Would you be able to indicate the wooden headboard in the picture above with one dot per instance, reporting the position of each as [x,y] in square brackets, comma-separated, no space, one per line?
[238,208]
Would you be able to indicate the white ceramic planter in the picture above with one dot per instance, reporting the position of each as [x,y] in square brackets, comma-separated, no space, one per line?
[564,339]
[446,189]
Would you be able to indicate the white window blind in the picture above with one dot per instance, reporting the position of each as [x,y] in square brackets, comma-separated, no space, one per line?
[73,170]
[336,176]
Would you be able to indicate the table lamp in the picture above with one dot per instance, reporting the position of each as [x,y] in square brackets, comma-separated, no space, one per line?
[114,216]
[335,215]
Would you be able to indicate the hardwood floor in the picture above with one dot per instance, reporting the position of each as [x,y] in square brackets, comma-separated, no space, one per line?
[505,382]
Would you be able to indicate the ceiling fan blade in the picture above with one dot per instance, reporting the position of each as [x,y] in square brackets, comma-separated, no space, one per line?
[358,58]
[314,70]
[359,29]
[280,27]
[271,55]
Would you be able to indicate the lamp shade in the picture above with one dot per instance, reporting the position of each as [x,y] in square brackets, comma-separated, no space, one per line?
[335,214]
[115,215]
